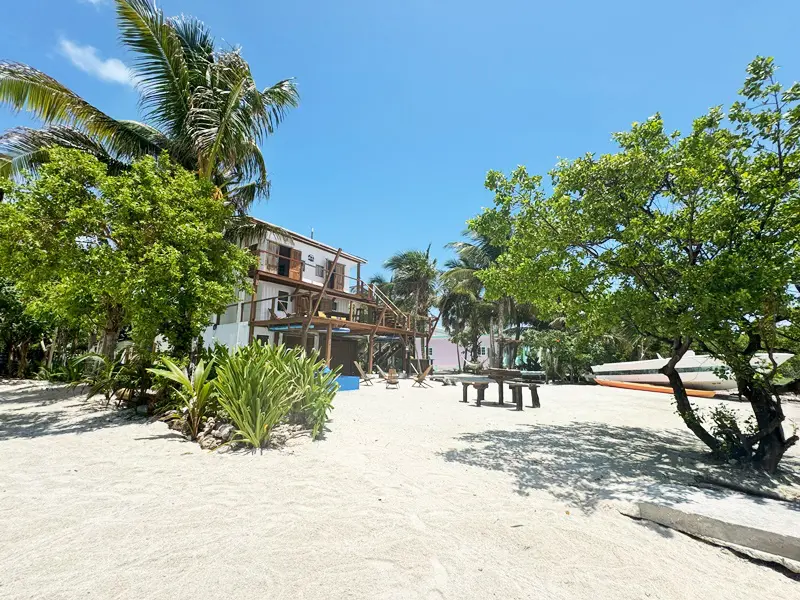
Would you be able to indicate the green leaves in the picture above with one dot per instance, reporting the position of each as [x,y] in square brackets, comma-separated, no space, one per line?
[147,242]
[259,386]
[197,393]
[202,104]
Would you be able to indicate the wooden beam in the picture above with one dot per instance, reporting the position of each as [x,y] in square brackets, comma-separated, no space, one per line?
[358,278]
[252,331]
[328,345]
[304,335]
[371,350]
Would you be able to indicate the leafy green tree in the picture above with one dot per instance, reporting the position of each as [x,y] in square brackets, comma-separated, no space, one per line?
[142,248]
[461,275]
[18,329]
[690,240]
[201,103]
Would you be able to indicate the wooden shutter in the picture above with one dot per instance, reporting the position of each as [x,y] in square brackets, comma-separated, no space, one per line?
[271,257]
[338,281]
[296,265]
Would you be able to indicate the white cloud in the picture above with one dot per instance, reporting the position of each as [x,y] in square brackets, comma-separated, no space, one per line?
[87,59]
[93,2]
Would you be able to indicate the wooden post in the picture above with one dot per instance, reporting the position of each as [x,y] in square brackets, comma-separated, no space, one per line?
[371,348]
[307,322]
[252,331]
[328,345]
[358,278]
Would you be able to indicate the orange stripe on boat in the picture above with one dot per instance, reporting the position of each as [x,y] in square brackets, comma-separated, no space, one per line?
[646,387]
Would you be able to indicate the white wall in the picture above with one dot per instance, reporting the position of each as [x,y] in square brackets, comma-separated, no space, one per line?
[313,256]
[231,335]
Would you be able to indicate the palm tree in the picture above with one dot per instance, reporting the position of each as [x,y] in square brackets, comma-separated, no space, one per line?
[473,256]
[414,279]
[201,105]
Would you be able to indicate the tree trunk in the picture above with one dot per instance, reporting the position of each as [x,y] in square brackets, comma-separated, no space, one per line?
[491,343]
[458,356]
[22,365]
[52,349]
[770,438]
[685,409]
[111,329]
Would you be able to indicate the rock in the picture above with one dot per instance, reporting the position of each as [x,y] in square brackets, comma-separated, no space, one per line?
[141,409]
[209,426]
[733,462]
[225,432]
[209,442]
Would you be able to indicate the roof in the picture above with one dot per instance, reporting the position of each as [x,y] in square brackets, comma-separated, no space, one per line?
[315,243]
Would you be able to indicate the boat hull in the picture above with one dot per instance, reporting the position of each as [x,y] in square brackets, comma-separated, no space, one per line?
[644,387]
[698,372]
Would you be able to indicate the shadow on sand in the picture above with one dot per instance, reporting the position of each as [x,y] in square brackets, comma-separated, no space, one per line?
[583,464]
[31,411]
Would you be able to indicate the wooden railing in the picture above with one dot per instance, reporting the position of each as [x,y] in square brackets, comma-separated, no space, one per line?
[269,262]
[300,304]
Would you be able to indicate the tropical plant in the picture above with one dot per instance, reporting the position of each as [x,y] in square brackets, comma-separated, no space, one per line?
[67,372]
[202,105]
[112,376]
[255,392]
[143,248]
[414,279]
[690,240]
[315,386]
[196,392]
[18,328]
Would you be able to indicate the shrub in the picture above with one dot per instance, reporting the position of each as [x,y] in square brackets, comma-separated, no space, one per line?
[255,392]
[259,386]
[196,393]
[315,386]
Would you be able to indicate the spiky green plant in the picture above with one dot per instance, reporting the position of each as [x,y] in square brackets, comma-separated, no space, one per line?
[255,392]
[196,392]
[315,387]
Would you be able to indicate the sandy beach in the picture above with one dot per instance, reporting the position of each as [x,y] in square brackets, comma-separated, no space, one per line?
[411,494]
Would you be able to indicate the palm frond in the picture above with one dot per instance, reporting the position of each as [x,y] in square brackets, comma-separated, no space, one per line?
[26,149]
[242,229]
[161,66]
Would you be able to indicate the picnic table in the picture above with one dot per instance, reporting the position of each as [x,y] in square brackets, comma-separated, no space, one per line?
[516,387]
[500,376]
[516,393]
[478,385]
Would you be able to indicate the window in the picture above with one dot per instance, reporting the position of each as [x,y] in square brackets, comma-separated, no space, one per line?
[483,350]
[283,301]
[430,352]
[320,271]
[334,306]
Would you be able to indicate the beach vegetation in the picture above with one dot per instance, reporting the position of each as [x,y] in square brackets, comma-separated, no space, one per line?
[690,240]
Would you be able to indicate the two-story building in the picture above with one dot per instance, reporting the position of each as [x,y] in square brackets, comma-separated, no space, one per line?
[311,294]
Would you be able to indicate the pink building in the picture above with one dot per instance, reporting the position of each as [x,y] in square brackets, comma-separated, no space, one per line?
[445,354]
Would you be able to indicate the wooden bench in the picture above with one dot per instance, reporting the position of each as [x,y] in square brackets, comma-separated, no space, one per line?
[516,393]
[478,385]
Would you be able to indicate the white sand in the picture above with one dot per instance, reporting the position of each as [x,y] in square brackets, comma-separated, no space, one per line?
[411,495]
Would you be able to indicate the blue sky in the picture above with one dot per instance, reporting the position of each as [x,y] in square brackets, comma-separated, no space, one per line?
[405,105]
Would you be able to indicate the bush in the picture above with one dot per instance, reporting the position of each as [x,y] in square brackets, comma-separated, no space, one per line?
[196,393]
[255,393]
[259,386]
[315,386]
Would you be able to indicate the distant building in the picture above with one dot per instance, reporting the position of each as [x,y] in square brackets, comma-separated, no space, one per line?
[445,354]
[311,294]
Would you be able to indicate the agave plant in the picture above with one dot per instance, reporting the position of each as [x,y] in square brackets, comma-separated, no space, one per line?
[201,105]
[196,392]
[256,392]
[315,387]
